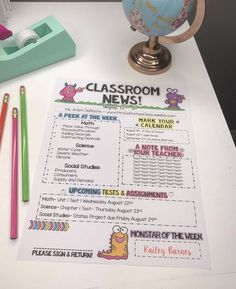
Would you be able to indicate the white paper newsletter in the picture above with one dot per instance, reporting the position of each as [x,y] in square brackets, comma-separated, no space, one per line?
[117,179]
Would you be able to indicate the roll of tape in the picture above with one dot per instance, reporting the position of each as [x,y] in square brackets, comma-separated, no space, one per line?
[25,37]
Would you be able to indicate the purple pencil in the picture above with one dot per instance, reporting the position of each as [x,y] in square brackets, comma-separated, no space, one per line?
[14,176]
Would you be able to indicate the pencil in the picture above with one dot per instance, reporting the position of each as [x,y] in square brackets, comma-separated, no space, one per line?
[24,146]
[3,114]
[14,176]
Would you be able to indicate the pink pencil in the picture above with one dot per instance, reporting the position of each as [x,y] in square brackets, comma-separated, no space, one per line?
[14,175]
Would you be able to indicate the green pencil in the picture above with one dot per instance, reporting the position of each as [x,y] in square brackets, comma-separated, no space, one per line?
[24,146]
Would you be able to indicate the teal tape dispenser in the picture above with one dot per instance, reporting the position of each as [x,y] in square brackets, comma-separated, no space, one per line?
[43,43]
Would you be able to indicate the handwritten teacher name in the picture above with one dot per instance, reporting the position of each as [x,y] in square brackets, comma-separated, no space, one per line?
[163,252]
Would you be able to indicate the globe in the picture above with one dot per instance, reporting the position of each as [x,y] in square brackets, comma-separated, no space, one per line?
[157,17]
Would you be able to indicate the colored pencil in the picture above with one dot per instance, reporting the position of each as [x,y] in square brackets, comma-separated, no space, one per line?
[3,114]
[14,176]
[24,146]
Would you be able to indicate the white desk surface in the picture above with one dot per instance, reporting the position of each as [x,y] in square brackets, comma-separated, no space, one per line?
[102,34]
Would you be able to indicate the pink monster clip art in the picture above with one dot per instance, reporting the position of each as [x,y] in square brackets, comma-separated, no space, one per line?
[69,91]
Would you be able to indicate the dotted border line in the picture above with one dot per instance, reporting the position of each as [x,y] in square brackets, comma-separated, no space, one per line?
[158,140]
[37,248]
[116,222]
[160,257]
[155,185]
[74,184]
[115,197]
[76,119]
[49,148]
[127,113]
[37,211]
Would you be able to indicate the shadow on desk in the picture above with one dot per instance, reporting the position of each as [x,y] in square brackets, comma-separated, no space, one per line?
[217,43]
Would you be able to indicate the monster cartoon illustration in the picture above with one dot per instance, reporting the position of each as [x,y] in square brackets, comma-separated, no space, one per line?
[69,91]
[173,98]
[118,245]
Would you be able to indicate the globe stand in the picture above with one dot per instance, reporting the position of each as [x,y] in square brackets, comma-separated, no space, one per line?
[150,57]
